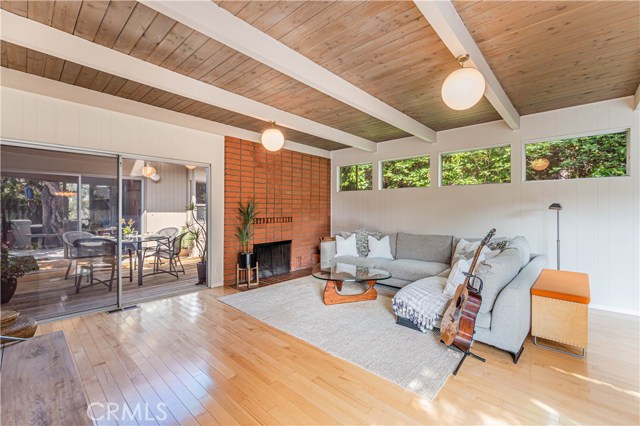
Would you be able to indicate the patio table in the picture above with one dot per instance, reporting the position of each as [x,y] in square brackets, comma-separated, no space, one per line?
[135,244]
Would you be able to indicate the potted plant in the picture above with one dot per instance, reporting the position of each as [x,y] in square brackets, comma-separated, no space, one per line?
[247,215]
[127,226]
[187,242]
[13,267]
[197,233]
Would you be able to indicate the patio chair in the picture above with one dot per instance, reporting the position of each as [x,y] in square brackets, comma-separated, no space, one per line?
[70,252]
[169,251]
[169,232]
[95,255]
[22,232]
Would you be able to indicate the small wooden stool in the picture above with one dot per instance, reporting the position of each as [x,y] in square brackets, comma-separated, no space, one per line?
[560,309]
[244,276]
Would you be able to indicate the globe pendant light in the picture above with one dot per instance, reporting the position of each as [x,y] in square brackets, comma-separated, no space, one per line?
[463,88]
[148,171]
[272,139]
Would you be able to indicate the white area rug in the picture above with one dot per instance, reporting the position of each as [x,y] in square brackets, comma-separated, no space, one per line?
[363,333]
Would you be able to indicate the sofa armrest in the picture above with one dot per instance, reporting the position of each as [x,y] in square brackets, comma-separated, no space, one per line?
[327,251]
[511,314]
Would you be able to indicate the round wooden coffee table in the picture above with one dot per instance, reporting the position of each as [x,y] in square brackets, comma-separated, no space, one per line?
[335,274]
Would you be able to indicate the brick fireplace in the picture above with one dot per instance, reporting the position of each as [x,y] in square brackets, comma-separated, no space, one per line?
[292,193]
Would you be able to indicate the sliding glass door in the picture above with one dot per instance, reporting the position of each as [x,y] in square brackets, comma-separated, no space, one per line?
[87,232]
[165,234]
[56,209]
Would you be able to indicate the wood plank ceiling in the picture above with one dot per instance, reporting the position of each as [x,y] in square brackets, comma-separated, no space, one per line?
[546,55]
[556,54]
[37,63]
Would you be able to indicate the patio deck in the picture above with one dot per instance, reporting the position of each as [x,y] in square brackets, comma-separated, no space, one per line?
[46,294]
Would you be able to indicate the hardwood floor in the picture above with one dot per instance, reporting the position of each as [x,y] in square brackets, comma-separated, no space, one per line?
[46,294]
[211,364]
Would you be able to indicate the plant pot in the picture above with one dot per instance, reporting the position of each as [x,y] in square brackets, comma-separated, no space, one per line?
[247,260]
[202,272]
[184,252]
[8,289]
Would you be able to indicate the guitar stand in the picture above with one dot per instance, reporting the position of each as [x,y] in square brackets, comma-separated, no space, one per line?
[464,356]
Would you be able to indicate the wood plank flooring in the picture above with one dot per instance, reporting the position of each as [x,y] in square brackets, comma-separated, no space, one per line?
[211,364]
[46,294]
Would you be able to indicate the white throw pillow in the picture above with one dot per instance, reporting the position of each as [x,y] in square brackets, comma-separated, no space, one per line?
[457,277]
[379,248]
[346,246]
[466,250]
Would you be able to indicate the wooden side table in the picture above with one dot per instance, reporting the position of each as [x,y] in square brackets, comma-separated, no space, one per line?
[249,277]
[560,309]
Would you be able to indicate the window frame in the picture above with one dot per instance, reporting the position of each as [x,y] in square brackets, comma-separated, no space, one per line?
[380,165]
[486,147]
[339,181]
[523,154]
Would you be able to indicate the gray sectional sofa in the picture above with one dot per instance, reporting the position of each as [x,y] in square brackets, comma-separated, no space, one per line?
[505,317]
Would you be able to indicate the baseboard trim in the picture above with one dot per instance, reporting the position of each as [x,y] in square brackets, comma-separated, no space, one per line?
[616,310]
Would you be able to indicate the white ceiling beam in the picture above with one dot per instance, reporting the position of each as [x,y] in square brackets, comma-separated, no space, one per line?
[31,34]
[447,23]
[215,22]
[636,100]
[25,82]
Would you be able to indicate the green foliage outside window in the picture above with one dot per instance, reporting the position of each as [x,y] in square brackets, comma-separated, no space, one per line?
[407,173]
[491,165]
[357,177]
[584,157]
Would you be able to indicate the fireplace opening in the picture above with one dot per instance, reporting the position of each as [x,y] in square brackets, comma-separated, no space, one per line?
[274,258]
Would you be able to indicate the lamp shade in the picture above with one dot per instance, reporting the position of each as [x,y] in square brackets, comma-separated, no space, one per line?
[272,139]
[148,171]
[463,88]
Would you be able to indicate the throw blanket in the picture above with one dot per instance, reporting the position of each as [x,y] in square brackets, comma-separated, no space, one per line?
[421,302]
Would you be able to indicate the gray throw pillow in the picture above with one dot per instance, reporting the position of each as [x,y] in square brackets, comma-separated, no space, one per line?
[522,245]
[496,273]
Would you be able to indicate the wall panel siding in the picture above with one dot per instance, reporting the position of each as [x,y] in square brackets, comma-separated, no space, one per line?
[34,118]
[600,223]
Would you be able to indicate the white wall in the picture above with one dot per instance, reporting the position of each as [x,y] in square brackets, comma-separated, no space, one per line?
[31,117]
[600,223]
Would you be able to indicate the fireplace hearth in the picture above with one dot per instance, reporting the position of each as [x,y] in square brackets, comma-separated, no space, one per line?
[274,258]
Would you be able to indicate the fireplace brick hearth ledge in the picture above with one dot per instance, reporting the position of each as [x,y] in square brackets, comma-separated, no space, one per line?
[292,193]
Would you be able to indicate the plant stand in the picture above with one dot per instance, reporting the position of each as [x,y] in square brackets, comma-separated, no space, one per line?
[249,277]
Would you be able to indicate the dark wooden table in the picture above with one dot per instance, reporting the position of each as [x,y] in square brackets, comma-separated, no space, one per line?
[41,384]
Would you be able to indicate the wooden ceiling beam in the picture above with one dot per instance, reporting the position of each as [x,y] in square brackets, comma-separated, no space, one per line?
[213,21]
[446,22]
[636,99]
[33,35]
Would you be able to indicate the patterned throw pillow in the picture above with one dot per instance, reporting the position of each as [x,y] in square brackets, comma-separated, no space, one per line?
[362,242]
[498,245]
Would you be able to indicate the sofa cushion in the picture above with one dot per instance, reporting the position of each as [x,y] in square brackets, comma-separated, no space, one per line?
[496,273]
[430,248]
[359,261]
[522,245]
[483,320]
[393,238]
[412,270]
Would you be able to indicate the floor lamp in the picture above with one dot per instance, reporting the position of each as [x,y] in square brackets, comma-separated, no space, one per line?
[557,207]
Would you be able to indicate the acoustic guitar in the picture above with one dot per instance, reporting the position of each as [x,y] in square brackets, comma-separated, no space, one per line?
[459,322]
